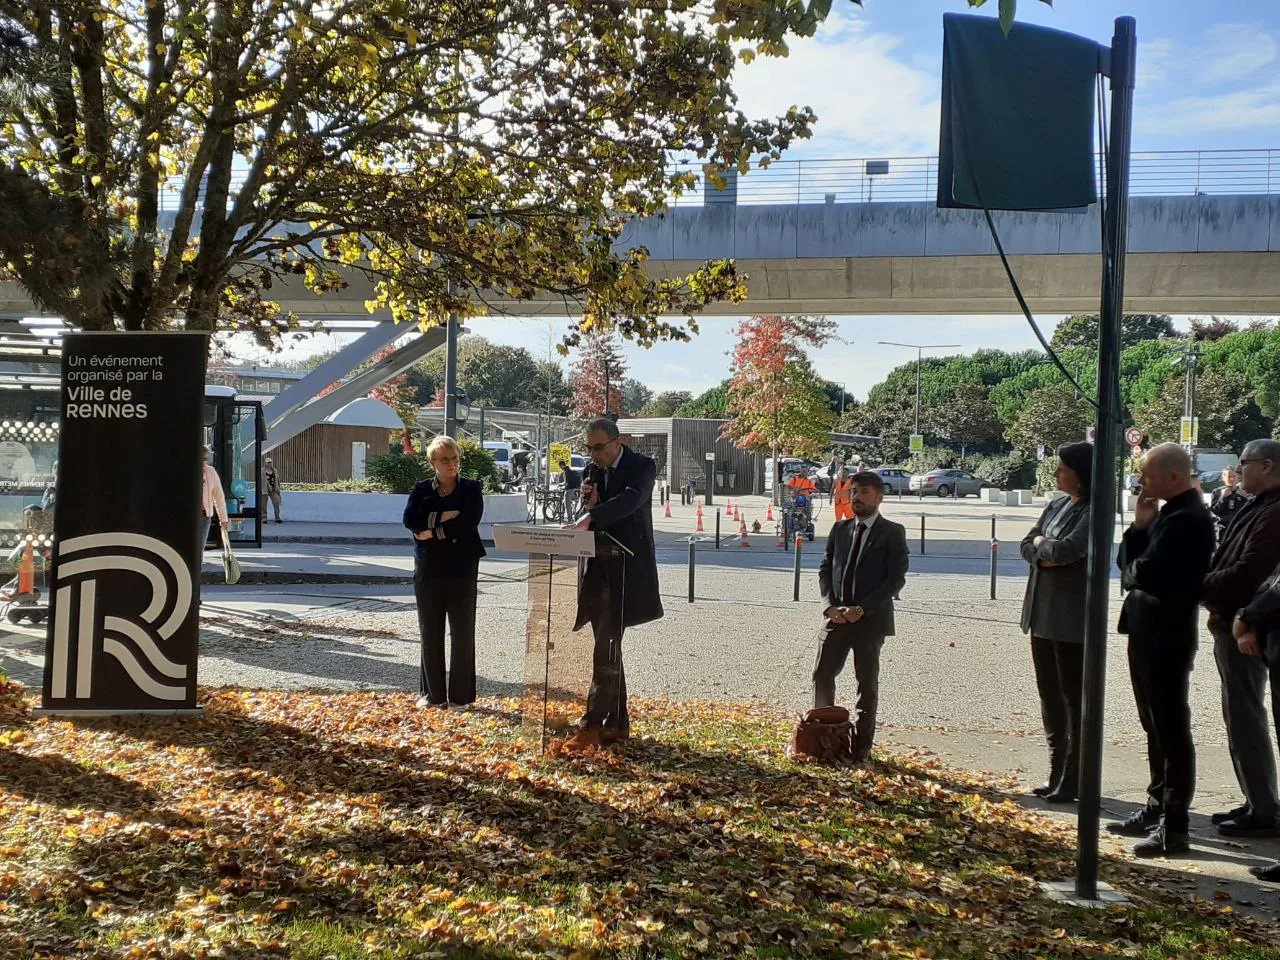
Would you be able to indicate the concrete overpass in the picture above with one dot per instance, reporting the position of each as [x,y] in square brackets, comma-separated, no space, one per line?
[832,236]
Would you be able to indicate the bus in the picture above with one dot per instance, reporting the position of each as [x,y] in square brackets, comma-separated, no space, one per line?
[234,430]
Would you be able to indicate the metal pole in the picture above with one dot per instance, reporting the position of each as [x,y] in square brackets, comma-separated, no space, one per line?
[1102,524]
[995,555]
[693,554]
[799,549]
[922,534]
[482,424]
[919,354]
[717,528]
[451,378]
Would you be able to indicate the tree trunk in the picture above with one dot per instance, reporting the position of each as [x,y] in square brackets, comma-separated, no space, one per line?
[777,477]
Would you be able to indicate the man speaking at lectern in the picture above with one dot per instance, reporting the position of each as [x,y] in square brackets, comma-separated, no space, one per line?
[620,586]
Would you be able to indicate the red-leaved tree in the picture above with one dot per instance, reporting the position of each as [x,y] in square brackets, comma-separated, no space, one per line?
[600,361]
[398,394]
[776,400]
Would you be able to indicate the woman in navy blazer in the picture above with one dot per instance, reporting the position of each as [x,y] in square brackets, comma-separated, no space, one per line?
[444,514]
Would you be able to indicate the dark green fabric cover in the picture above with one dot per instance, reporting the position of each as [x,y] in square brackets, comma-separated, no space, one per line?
[1017,117]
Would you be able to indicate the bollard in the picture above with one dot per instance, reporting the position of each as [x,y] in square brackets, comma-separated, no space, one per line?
[717,528]
[922,534]
[693,553]
[993,528]
[995,559]
[796,589]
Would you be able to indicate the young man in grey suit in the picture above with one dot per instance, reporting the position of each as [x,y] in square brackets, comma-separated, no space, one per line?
[863,569]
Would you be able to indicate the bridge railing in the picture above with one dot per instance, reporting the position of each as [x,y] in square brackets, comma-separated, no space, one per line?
[1169,173]
[1172,173]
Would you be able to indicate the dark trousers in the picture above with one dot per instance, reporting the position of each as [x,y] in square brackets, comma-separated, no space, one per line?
[835,642]
[454,598]
[1059,667]
[1244,709]
[607,698]
[1161,674]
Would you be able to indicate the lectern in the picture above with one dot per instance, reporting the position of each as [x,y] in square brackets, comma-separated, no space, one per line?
[558,661]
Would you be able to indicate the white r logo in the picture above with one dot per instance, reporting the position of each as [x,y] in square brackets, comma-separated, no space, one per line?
[129,641]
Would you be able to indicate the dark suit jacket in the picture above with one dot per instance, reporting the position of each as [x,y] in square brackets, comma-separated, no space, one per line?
[1246,557]
[1163,568]
[455,546]
[1263,614]
[879,577]
[1053,607]
[625,512]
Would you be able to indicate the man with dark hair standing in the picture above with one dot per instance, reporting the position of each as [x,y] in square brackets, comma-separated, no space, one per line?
[620,586]
[1163,560]
[1246,557]
[863,569]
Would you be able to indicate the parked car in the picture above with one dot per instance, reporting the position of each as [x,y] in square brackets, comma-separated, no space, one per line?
[1209,464]
[945,483]
[896,480]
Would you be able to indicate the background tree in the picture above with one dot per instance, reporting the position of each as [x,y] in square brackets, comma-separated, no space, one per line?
[666,403]
[398,394]
[1051,416]
[777,403]
[634,396]
[968,418]
[179,162]
[1228,415]
[1081,330]
[711,404]
[1206,329]
[600,362]
[493,374]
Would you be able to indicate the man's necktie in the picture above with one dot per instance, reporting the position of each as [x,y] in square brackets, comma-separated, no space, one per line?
[852,566]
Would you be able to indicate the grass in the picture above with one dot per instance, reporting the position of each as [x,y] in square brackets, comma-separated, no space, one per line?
[353,826]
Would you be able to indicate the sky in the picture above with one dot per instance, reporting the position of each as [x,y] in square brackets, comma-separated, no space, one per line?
[1208,78]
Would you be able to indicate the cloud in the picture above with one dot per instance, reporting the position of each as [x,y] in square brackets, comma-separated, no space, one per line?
[1253,110]
[1234,50]
[677,369]
[869,100]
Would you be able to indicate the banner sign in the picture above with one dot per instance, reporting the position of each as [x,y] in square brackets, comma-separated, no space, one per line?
[125,598]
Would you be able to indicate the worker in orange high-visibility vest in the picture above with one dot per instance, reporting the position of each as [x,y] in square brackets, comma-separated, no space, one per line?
[843,488]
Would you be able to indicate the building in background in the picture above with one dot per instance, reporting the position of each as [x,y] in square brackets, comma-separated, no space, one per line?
[679,446]
[339,447]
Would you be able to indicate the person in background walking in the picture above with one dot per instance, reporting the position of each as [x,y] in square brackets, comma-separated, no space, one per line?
[1053,614]
[444,515]
[213,501]
[842,491]
[1247,555]
[1226,500]
[271,483]
[1257,632]
[1164,557]
[572,488]
[863,569]
[833,470]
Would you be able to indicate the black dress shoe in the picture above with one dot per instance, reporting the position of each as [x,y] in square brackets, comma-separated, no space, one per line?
[1060,795]
[1250,825]
[1043,790]
[1239,811]
[1163,842]
[1269,873]
[1138,825]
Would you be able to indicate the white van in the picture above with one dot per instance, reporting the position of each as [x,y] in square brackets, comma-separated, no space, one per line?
[501,451]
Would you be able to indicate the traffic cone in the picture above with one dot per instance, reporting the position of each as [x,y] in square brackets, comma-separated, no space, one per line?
[27,571]
[782,539]
[769,515]
[699,527]
[699,510]
[731,512]
[668,508]
[742,534]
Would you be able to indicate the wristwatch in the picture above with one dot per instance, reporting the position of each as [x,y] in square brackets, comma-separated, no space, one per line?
[861,612]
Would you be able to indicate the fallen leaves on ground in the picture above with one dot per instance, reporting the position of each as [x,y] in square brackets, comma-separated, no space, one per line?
[325,825]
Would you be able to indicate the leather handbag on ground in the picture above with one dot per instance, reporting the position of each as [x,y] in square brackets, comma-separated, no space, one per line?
[823,735]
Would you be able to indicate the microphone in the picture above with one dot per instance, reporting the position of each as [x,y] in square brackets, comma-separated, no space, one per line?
[595,477]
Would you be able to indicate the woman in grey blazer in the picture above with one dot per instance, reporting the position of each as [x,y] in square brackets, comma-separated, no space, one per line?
[1053,614]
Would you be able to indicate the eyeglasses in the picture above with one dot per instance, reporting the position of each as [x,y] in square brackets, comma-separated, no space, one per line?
[599,447]
[446,460]
[1254,460]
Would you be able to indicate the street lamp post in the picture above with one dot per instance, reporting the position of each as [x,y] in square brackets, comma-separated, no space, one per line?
[919,348]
